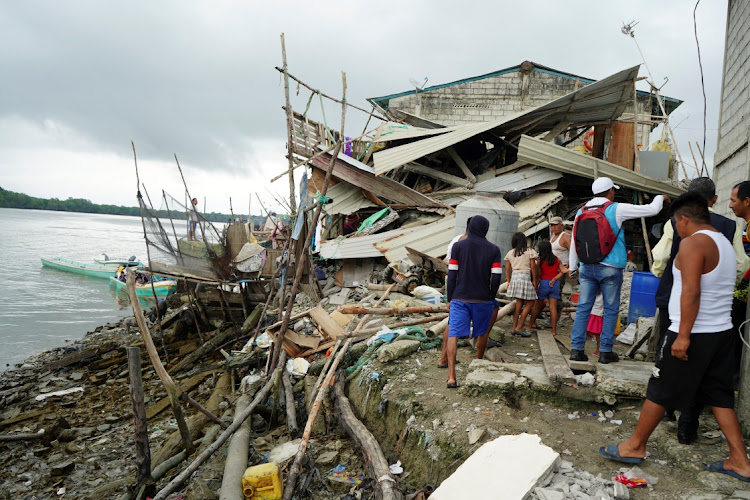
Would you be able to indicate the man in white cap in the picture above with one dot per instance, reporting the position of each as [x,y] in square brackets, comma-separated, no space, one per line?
[603,242]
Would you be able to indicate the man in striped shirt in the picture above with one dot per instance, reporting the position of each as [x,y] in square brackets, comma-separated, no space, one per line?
[474,274]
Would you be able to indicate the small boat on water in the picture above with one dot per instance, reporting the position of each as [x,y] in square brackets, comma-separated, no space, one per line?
[72,266]
[105,260]
[163,287]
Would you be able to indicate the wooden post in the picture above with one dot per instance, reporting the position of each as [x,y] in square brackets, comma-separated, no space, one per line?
[316,215]
[142,452]
[166,380]
[645,235]
[289,128]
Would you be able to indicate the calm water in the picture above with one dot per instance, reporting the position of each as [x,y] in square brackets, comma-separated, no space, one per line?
[41,308]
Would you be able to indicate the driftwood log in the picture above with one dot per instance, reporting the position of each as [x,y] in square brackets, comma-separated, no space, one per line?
[236,461]
[386,486]
[196,423]
[223,437]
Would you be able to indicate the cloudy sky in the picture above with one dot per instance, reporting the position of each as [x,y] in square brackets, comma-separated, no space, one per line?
[80,79]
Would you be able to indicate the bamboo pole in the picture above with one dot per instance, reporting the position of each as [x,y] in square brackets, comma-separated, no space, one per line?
[291,411]
[223,437]
[316,215]
[289,128]
[166,380]
[695,162]
[391,311]
[316,91]
[441,318]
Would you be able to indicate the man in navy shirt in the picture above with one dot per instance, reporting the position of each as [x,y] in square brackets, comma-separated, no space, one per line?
[474,273]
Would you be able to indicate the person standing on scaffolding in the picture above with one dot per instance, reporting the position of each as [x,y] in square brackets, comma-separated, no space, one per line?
[193,223]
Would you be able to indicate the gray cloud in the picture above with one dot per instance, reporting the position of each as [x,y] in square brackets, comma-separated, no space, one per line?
[198,79]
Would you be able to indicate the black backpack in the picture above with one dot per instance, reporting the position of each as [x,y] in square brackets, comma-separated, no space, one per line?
[593,235]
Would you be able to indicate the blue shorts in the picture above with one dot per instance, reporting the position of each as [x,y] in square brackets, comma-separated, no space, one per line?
[193,225]
[548,292]
[465,314]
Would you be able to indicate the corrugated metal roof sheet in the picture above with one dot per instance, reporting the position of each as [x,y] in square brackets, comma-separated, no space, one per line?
[358,247]
[601,101]
[524,178]
[564,160]
[392,131]
[347,199]
[355,172]
[536,204]
[431,239]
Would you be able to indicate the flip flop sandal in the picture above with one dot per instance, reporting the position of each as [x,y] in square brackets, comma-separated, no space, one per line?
[718,467]
[446,365]
[454,385]
[611,452]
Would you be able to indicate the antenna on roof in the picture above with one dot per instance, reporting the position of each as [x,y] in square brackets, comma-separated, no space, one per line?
[417,88]
[417,85]
[627,30]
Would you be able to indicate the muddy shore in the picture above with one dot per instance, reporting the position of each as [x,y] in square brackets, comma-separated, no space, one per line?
[87,448]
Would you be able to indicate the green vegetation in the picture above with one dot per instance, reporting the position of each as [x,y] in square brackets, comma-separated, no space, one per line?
[10,199]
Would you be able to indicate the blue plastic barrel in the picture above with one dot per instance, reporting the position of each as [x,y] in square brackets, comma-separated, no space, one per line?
[642,296]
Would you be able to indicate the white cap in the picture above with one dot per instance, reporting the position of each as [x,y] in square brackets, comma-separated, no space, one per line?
[602,185]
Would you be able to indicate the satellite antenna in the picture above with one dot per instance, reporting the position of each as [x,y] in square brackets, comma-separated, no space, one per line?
[417,88]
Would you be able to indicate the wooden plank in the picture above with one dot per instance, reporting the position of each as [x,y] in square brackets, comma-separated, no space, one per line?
[77,357]
[325,323]
[185,386]
[622,145]
[309,341]
[24,416]
[554,362]
[340,318]
[462,165]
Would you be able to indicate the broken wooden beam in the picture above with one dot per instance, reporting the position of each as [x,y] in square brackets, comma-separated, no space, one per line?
[390,311]
[554,362]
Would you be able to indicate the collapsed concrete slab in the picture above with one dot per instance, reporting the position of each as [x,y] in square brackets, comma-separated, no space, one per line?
[624,378]
[490,373]
[513,465]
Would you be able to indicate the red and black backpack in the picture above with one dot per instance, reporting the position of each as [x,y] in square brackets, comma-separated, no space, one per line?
[594,237]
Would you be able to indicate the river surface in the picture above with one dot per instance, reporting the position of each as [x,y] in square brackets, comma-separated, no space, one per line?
[42,308]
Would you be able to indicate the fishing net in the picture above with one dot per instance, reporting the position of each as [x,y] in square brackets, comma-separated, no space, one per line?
[172,246]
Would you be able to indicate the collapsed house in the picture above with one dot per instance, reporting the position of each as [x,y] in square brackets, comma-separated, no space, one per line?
[519,145]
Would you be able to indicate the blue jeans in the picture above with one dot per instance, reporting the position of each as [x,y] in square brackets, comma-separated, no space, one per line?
[593,278]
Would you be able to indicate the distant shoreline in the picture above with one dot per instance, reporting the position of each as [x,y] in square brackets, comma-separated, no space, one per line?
[11,199]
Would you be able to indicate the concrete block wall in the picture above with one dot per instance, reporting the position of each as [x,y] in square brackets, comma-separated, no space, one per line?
[495,97]
[732,161]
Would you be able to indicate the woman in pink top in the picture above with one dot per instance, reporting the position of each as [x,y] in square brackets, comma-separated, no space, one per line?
[523,279]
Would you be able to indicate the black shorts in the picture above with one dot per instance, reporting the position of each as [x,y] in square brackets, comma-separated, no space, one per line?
[705,378]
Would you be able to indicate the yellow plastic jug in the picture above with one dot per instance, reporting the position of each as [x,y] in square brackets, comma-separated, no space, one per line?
[263,482]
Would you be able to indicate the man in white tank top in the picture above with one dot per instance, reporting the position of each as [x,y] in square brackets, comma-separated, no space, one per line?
[696,355]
